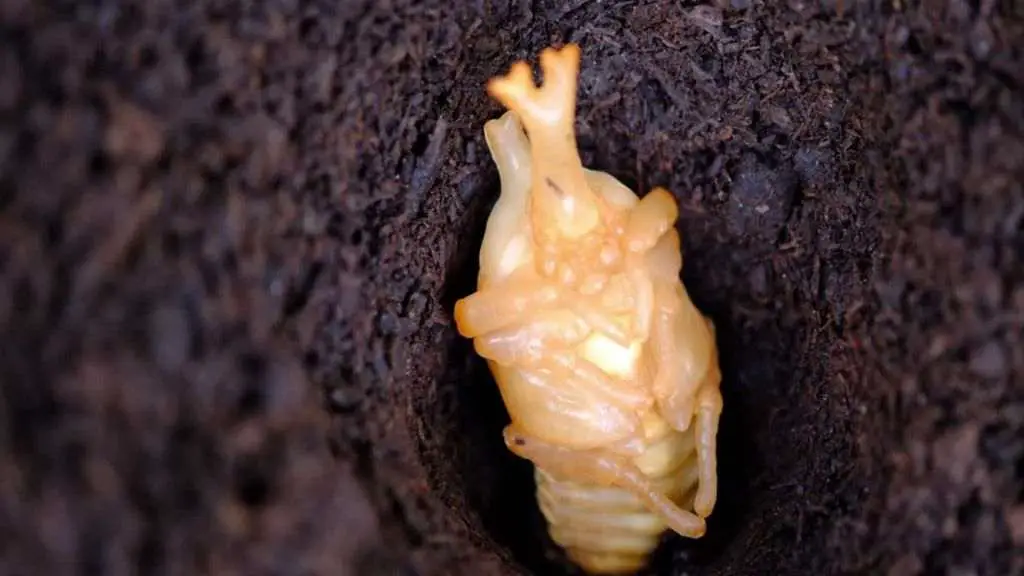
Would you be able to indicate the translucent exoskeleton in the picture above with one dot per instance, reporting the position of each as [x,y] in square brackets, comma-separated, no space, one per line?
[609,372]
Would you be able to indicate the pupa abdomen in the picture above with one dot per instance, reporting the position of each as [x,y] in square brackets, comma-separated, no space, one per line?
[610,530]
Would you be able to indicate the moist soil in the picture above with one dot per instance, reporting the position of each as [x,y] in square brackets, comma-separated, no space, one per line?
[232,236]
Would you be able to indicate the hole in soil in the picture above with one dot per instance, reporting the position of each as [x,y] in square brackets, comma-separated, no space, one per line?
[494,490]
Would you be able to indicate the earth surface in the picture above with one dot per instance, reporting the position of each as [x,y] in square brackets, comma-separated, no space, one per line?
[231,237]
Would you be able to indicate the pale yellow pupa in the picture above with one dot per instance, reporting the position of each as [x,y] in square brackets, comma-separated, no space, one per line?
[609,372]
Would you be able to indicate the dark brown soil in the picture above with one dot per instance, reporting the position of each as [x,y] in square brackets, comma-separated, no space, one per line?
[232,237]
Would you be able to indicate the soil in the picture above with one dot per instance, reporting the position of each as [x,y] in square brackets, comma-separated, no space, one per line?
[232,236]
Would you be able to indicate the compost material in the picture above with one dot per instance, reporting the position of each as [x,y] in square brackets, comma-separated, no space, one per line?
[231,237]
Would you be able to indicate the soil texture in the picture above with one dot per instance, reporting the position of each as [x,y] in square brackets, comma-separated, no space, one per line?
[231,237]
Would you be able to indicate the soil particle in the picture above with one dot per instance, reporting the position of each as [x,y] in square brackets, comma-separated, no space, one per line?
[760,198]
[231,237]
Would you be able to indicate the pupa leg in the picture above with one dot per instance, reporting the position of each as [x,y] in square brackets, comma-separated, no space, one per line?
[510,150]
[590,311]
[506,239]
[501,305]
[684,351]
[673,392]
[585,374]
[709,410]
[601,468]
[650,219]
[533,338]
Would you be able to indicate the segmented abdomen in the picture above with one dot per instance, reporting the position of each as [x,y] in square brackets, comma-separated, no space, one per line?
[608,530]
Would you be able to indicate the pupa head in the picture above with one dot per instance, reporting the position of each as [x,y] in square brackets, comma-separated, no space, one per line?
[562,204]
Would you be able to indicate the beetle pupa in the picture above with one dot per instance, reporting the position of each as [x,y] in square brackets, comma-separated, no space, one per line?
[609,372]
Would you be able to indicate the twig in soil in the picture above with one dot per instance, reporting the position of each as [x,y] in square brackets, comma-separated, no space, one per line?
[707,18]
[942,346]
[526,8]
[569,10]
[425,174]
[670,89]
[116,245]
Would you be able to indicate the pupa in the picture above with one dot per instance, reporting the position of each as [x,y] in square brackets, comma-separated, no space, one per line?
[609,372]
